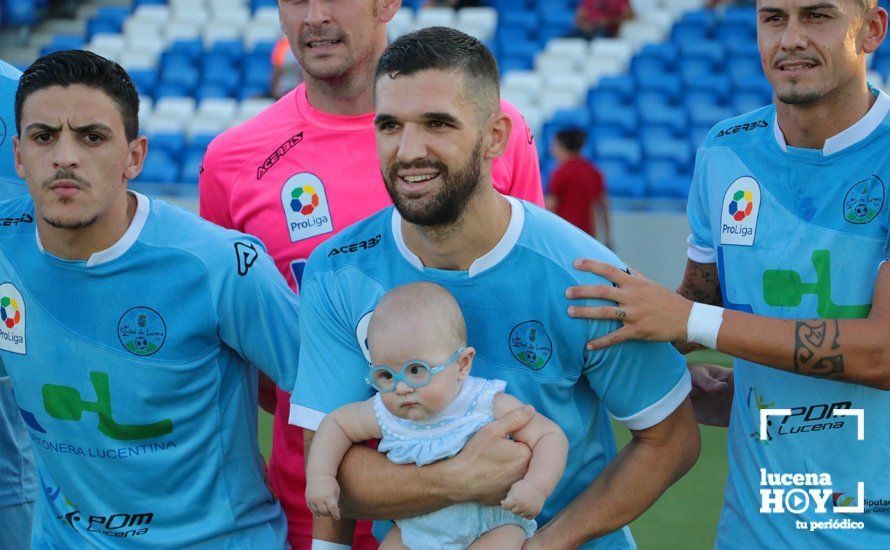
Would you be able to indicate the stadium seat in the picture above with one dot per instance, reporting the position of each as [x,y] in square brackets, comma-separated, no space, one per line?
[620,182]
[611,48]
[434,17]
[638,33]
[159,167]
[668,149]
[623,149]
[671,118]
[182,108]
[483,19]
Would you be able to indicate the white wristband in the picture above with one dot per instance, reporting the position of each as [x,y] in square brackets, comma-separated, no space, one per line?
[325,545]
[704,325]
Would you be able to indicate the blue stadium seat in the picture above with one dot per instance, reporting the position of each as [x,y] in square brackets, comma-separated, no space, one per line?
[513,63]
[696,135]
[644,68]
[247,91]
[667,52]
[187,49]
[669,149]
[704,17]
[170,90]
[606,98]
[159,167]
[740,15]
[657,173]
[709,115]
[623,84]
[668,84]
[256,4]
[231,49]
[112,17]
[173,144]
[742,50]
[747,102]
[695,98]
[743,69]
[259,74]
[753,84]
[648,133]
[185,77]
[212,91]
[619,181]
[666,185]
[62,42]
[689,32]
[693,68]
[569,118]
[716,84]
[734,33]
[651,101]
[621,117]
[191,166]
[710,50]
[519,19]
[520,49]
[145,80]
[623,149]
[671,118]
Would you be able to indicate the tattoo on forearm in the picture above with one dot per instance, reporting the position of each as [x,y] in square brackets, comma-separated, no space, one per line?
[817,348]
[701,283]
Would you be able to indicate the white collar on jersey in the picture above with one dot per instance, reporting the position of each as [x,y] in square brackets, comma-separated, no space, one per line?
[123,244]
[490,258]
[852,135]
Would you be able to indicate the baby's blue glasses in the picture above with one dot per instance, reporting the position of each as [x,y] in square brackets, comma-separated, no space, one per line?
[416,373]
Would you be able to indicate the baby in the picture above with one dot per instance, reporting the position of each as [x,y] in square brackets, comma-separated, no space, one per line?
[427,407]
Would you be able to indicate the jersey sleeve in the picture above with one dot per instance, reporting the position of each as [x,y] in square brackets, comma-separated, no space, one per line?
[332,366]
[521,157]
[701,242]
[258,314]
[4,378]
[214,187]
[640,383]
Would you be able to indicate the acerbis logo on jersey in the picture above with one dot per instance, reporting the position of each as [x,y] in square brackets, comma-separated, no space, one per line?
[305,207]
[12,319]
[741,207]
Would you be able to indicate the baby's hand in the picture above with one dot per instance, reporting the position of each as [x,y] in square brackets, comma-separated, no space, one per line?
[524,500]
[323,495]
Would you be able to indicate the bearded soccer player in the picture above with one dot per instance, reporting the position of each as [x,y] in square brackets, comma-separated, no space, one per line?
[307,167]
[439,127]
[131,334]
[787,273]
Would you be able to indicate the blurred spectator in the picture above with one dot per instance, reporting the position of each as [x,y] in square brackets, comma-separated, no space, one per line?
[286,72]
[596,18]
[577,191]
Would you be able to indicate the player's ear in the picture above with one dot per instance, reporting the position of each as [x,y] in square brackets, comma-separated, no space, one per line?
[17,157]
[465,362]
[497,135]
[386,9]
[874,29]
[136,157]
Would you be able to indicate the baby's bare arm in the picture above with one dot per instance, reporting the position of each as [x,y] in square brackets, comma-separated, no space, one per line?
[546,440]
[338,431]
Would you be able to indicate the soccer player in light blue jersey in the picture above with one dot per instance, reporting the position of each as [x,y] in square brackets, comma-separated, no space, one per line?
[131,331]
[18,483]
[790,222]
[506,262]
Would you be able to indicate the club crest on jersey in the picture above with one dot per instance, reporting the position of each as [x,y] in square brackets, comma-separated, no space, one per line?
[864,201]
[361,334]
[530,344]
[142,331]
[305,207]
[12,319]
[741,208]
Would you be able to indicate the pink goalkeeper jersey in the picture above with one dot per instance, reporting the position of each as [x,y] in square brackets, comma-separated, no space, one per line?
[294,176]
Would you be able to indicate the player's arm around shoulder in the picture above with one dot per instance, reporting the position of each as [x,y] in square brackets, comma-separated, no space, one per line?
[549,447]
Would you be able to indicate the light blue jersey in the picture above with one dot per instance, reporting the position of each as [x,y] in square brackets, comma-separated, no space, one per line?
[515,308]
[18,482]
[799,233]
[133,372]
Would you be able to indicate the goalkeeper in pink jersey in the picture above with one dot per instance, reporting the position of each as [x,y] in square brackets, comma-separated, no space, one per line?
[307,167]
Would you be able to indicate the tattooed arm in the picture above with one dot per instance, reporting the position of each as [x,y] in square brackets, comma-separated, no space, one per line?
[701,283]
[847,350]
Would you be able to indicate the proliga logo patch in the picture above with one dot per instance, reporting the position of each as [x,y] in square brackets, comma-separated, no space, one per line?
[741,208]
[305,207]
[12,319]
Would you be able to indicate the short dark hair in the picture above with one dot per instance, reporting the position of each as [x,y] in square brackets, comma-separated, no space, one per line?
[88,69]
[446,49]
[572,139]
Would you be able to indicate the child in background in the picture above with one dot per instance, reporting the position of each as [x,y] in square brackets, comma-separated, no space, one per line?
[423,413]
